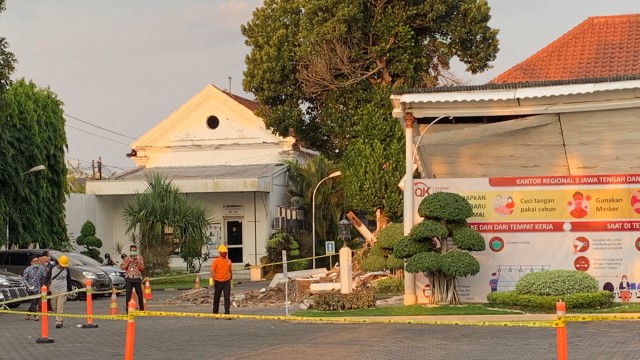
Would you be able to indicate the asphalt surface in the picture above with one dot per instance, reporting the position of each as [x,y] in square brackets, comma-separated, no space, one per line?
[206,338]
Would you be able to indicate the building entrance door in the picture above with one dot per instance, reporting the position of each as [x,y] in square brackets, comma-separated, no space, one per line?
[234,240]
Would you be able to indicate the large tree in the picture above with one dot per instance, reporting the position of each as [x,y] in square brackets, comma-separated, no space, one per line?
[32,134]
[314,66]
[7,59]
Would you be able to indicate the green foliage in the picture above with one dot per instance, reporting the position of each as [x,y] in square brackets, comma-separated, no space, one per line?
[312,62]
[427,262]
[335,301]
[556,283]
[93,253]
[426,230]
[303,179]
[467,238]
[394,263]
[283,241]
[589,300]
[374,263]
[323,71]
[7,59]
[377,148]
[390,235]
[406,248]
[151,215]
[445,206]
[31,133]
[88,239]
[377,250]
[459,263]
[388,286]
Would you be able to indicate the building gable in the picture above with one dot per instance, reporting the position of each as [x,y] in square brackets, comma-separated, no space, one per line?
[210,118]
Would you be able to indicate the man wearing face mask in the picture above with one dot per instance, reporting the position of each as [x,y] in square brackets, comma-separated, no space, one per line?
[133,265]
[221,278]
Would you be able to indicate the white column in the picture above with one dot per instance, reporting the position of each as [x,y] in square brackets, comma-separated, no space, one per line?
[410,297]
[345,270]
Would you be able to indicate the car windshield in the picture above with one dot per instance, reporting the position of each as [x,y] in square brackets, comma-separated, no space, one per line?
[85,260]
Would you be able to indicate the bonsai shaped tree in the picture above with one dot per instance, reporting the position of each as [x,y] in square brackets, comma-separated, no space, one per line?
[89,240]
[440,245]
[380,256]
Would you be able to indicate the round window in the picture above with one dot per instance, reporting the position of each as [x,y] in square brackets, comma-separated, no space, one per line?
[213,122]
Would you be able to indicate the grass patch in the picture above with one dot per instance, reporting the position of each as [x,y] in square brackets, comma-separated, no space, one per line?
[613,308]
[412,310]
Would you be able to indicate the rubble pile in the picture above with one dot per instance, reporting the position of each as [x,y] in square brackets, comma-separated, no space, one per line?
[270,296]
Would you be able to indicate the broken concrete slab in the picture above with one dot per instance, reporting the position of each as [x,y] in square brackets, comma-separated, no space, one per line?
[279,277]
[323,287]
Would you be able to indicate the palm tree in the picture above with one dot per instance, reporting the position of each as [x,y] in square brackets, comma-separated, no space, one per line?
[329,199]
[161,219]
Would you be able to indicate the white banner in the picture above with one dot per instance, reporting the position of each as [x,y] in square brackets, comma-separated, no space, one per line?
[586,223]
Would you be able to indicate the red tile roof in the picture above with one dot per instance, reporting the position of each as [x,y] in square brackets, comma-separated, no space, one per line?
[249,104]
[600,46]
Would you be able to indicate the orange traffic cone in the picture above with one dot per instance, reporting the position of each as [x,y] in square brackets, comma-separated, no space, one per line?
[134,297]
[147,289]
[197,283]
[113,305]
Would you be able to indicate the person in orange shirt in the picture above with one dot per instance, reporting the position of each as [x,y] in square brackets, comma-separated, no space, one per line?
[221,277]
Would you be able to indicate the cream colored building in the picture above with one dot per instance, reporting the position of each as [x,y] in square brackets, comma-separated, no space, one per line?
[218,152]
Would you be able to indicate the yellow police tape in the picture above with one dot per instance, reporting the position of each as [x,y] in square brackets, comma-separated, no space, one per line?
[554,323]
[207,272]
[603,317]
[103,317]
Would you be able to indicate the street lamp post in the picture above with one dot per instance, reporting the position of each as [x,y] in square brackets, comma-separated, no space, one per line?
[33,169]
[313,214]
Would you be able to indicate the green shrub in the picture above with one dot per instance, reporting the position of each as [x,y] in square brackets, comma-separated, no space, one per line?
[388,286]
[373,263]
[335,301]
[427,230]
[589,300]
[406,248]
[468,239]
[446,206]
[298,265]
[390,235]
[394,263]
[556,283]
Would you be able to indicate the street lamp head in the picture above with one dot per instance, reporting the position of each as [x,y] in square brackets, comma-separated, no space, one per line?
[337,173]
[34,169]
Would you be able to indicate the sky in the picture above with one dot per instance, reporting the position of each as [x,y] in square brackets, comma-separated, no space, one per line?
[124,65]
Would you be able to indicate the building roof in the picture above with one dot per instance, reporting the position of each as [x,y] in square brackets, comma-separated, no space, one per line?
[204,172]
[600,46]
[249,104]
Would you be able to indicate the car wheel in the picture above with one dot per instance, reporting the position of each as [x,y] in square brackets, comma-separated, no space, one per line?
[77,295]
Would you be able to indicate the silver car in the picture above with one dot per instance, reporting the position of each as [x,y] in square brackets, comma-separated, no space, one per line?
[115,273]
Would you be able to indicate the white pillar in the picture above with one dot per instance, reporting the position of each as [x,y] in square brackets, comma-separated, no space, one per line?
[345,270]
[410,297]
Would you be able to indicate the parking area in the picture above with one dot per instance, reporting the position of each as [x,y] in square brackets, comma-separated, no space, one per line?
[203,338]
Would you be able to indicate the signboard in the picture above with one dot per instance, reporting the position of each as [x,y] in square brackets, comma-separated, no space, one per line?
[330,247]
[588,223]
[232,210]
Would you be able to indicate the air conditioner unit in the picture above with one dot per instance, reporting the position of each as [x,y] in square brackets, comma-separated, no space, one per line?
[277,223]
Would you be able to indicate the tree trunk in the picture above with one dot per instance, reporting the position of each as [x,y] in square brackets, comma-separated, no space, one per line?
[443,290]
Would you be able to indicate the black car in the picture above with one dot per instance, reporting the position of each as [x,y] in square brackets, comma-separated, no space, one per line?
[12,287]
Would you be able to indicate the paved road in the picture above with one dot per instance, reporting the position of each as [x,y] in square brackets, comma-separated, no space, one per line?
[202,338]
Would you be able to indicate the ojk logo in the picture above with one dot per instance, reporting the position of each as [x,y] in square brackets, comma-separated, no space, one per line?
[421,189]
